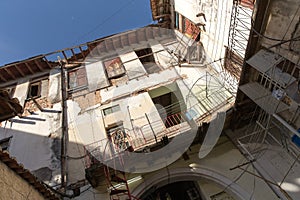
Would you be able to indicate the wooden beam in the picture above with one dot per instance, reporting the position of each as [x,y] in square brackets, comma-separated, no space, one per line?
[10,73]
[38,65]
[81,51]
[19,70]
[72,50]
[48,64]
[90,49]
[29,68]
[65,56]
[2,77]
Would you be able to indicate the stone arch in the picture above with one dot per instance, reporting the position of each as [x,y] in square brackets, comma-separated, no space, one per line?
[166,176]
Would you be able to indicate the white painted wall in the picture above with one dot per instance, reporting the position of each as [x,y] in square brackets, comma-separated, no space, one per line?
[95,74]
[135,85]
[54,93]
[21,90]
[31,143]
[217,15]
[163,58]
[134,67]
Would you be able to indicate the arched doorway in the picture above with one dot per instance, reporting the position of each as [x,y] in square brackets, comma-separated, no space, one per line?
[161,180]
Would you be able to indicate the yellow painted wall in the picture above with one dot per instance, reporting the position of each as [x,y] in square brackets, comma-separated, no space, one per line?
[12,186]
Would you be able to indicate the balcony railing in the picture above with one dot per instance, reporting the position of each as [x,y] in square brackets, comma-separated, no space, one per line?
[152,132]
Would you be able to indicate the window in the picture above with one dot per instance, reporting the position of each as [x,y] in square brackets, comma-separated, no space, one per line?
[4,143]
[147,59]
[110,110]
[77,78]
[114,68]
[34,90]
[176,20]
[118,136]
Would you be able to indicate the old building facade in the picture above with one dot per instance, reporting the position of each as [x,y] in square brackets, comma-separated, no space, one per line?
[140,114]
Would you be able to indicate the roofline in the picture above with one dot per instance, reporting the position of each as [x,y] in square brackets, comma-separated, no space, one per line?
[27,176]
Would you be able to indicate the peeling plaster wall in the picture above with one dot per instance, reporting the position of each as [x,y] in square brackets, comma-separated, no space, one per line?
[31,143]
[21,90]
[54,93]
[163,57]
[135,85]
[189,8]
[217,14]
[134,67]
[35,142]
[95,74]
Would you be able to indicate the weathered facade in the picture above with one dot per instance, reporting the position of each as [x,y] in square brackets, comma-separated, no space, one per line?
[140,114]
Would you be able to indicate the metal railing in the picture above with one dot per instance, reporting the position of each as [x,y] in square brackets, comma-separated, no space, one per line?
[152,132]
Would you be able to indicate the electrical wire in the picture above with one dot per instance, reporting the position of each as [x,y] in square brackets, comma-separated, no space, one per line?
[290,168]
[105,20]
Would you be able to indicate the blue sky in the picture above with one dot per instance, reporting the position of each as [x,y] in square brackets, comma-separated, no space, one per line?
[33,27]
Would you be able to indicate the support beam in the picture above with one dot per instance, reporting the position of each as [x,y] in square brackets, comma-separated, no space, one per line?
[73,53]
[29,68]
[19,70]
[38,65]
[64,136]
[48,64]
[2,77]
[10,73]
[81,51]
[65,56]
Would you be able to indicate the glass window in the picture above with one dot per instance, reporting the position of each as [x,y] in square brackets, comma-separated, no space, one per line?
[110,110]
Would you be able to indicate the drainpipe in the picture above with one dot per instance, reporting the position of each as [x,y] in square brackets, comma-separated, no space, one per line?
[64,125]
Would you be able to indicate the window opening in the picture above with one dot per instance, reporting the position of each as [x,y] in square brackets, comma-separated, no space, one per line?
[111,110]
[34,90]
[119,138]
[167,105]
[4,143]
[176,20]
[147,59]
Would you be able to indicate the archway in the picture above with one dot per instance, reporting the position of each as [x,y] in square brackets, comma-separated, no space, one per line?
[165,177]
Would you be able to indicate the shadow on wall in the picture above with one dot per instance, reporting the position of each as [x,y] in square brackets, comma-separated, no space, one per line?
[42,155]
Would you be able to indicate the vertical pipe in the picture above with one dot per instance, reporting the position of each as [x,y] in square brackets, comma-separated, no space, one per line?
[151,127]
[130,119]
[64,124]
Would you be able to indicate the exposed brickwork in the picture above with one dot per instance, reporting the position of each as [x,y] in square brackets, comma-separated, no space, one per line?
[87,100]
[30,106]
